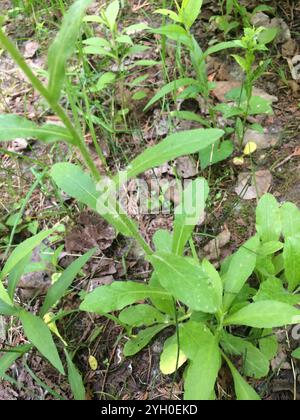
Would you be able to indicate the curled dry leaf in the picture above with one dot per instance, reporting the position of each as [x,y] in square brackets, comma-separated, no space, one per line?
[18,145]
[250,187]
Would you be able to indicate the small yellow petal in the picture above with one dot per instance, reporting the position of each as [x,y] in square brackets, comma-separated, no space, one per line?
[52,326]
[93,363]
[250,148]
[238,161]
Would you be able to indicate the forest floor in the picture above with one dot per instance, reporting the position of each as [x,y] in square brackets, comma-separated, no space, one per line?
[229,216]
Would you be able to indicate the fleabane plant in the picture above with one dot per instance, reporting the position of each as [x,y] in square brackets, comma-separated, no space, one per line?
[205,306]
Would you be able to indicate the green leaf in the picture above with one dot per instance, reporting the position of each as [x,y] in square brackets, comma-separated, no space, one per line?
[174,146]
[75,380]
[216,153]
[111,14]
[242,265]
[105,80]
[162,240]
[255,363]
[13,126]
[296,354]
[244,392]
[272,289]
[78,184]
[169,356]
[18,254]
[96,42]
[190,11]
[190,116]
[15,275]
[268,344]
[175,33]
[163,304]
[268,218]
[270,248]
[143,338]
[180,276]
[188,213]
[98,51]
[64,45]
[171,87]
[201,347]
[265,314]
[58,289]
[139,315]
[291,257]
[39,335]
[118,295]
[259,106]
[170,14]
[8,358]
[268,35]
[7,309]
[221,47]
[290,219]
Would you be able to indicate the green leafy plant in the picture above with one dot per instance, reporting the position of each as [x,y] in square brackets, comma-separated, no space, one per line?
[206,306]
[38,328]
[246,104]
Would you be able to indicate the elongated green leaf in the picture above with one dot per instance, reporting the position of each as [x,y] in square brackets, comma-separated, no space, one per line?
[39,335]
[15,275]
[13,126]
[111,13]
[188,213]
[96,42]
[170,88]
[244,392]
[240,268]
[169,359]
[174,146]
[78,184]
[216,153]
[139,315]
[255,363]
[4,295]
[172,15]
[270,248]
[180,276]
[162,240]
[268,344]
[8,358]
[6,309]
[143,338]
[265,314]
[22,250]
[272,289]
[190,11]
[58,289]
[201,347]
[75,380]
[268,218]
[175,33]
[118,295]
[64,45]
[163,304]
[296,354]
[221,47]
[291,257]
[290,219]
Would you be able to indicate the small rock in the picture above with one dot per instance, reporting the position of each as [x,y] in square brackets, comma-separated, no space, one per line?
[262,140]
[212,249]
[31,48]
[249,188]
[289,48]
[186,167]
[260,19]
[284,34]
[222,88]
[101,281]
[18,145]
[294,65]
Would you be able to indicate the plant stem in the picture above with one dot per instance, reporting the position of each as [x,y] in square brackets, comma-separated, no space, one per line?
[57,109]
